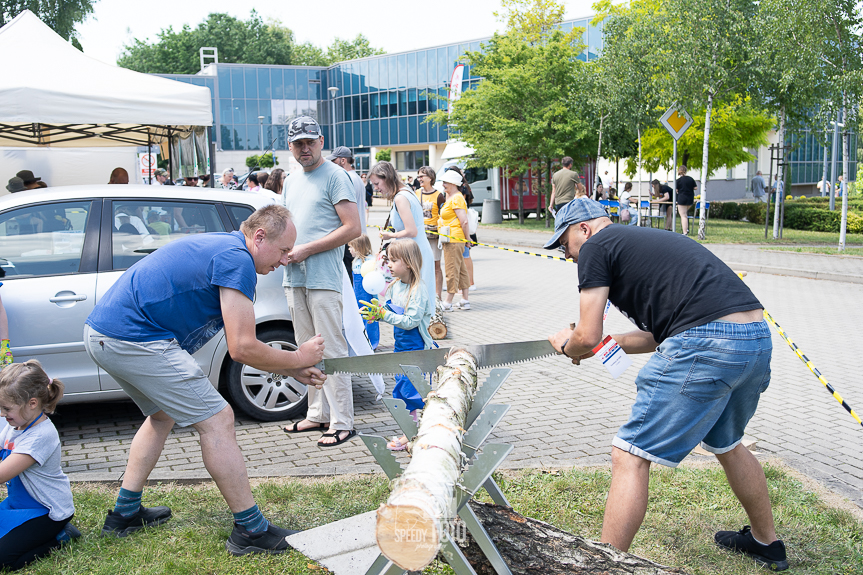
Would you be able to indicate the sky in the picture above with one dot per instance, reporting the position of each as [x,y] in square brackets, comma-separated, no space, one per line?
[394,26]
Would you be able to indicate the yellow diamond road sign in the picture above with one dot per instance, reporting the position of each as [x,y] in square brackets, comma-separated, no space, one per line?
[676,121]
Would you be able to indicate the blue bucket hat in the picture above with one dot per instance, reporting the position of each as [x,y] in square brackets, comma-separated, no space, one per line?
[577,211]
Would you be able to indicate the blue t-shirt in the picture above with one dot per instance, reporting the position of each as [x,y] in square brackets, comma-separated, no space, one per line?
[174,292]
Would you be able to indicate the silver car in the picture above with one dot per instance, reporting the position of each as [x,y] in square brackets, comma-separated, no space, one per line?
[62,248]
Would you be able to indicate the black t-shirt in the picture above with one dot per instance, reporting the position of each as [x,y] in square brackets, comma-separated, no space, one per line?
[664,283]
[663,189]
[685,190]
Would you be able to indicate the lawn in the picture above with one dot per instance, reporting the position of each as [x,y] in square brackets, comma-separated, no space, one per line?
[721,232]
[686,506]
[831,251]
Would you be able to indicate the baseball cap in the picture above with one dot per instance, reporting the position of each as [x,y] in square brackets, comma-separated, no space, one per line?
[160,172]
[451,177]
[340,152]
[27,176]
[304,128]
[577,211]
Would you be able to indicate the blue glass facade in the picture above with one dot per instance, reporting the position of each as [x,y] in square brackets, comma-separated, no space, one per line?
[380,101]
[807,157]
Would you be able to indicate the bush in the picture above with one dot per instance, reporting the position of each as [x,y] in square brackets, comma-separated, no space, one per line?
[384,155]
[810,214]
[265,161]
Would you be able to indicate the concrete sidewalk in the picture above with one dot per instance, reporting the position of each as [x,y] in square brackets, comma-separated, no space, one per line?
[741,257]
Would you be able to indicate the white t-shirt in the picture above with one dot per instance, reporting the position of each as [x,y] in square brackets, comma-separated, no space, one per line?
[44,480]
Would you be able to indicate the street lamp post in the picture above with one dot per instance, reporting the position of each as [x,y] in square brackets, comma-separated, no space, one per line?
[333,91]
[261,122]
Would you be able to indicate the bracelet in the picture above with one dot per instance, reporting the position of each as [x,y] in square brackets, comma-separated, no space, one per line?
[563,347]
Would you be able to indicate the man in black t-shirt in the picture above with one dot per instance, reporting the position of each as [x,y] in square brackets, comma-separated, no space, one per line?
[712,363]
[686,187]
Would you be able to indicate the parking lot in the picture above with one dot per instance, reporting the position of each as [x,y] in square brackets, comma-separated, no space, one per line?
[561,415]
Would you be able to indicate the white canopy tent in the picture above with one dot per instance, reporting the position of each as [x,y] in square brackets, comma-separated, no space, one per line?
[53,95]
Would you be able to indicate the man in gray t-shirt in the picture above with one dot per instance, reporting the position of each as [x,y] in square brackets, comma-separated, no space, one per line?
[758,187]
[323,203]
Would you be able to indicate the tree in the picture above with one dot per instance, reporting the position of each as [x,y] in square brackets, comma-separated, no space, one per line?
[251,41]
[247,42]
[60,15]
[529,105]
[708,54]
[268,160]
[384,155]
[736,125]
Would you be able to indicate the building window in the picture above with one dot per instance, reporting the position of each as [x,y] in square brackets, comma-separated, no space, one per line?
[412,160]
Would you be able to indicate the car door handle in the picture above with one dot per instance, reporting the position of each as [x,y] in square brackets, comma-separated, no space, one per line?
[73,297]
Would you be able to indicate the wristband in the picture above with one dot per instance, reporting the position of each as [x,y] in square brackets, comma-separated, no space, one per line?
[563,347]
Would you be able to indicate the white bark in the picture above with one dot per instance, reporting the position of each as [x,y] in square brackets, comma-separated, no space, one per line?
[638,205]
[844,188]
[705,156]
[410,525]
[780,175]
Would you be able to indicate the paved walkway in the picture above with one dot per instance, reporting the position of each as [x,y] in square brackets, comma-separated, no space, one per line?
[561,414]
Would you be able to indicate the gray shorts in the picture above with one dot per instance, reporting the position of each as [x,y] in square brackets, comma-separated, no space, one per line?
[158,376]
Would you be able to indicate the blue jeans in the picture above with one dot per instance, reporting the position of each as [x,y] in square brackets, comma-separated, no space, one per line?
[701,385]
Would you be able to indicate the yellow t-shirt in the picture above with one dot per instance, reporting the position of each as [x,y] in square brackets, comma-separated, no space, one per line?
[448,217]
[430,207]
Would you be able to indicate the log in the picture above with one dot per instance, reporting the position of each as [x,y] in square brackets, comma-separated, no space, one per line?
[532,547]
[437,326]
[410,525]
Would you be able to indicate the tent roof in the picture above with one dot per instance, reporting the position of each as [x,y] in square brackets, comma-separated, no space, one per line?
[53,94]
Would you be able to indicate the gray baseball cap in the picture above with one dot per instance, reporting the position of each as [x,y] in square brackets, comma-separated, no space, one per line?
[340,152]
[304,128]
[577,211]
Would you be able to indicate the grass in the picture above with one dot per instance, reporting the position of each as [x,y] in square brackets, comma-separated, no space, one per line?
[686,506]
[718,232]
[832,251]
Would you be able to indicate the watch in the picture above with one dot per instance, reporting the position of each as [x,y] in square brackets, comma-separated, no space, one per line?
[563,347]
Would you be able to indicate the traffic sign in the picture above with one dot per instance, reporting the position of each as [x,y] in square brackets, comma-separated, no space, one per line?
[676,120]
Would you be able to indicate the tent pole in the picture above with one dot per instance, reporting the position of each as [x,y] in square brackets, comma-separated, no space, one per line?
[149,154]
[212,151]
[170,156]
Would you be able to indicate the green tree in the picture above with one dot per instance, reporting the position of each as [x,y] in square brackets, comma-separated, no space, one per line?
[708,53]
[384,155]
[529,106]
[308,54]
[268,160]
[176,52]
[60,15]
[736,125]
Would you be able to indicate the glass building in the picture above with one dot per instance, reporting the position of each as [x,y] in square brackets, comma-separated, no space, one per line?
[365,104]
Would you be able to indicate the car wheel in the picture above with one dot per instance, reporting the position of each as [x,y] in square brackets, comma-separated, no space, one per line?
[267,396]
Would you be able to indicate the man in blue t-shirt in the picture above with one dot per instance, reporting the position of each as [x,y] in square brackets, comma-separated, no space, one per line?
[712,363]
[143,332]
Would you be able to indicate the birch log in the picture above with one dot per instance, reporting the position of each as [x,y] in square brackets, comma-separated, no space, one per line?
[410,525]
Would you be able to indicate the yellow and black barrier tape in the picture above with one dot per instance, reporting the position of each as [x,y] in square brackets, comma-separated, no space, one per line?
[513,250]
[811,367]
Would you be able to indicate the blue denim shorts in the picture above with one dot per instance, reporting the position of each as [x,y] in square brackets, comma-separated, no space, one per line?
[701,385]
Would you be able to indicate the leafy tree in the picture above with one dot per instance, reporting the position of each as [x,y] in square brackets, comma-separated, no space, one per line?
[251,41]
[265,161]
[529,105]
[709,53]
[736,125]
[384,155]
[238,41]
[60,15]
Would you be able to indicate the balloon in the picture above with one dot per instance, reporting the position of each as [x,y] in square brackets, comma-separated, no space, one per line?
[374,282]
[367,268]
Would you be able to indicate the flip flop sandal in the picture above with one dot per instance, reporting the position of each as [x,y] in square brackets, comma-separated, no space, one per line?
[396,444]
[294,429]
[335,434]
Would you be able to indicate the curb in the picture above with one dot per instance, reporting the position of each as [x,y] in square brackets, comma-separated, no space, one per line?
[848,278]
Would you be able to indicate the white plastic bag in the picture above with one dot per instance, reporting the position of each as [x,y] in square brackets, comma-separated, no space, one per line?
[472,220]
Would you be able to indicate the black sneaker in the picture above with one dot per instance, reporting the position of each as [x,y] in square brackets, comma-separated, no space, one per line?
[243,542]
[119,526]
[770,556]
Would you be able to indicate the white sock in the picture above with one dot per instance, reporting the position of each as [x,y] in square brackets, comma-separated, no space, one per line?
[760,542]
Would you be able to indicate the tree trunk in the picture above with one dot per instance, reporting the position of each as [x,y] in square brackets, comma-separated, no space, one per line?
[531,547]
[845,167]
[638,205]
[410,525]
[599,147]
[521,199]
[705,169]
[548,193]
[781,174]
[539,190]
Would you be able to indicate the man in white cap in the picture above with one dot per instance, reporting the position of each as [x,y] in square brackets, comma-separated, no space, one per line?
[323,202]
[711,365]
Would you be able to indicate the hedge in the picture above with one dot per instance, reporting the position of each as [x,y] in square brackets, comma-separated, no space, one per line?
[811,214]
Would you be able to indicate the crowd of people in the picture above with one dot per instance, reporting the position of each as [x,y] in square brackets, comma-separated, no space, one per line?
[690,308]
